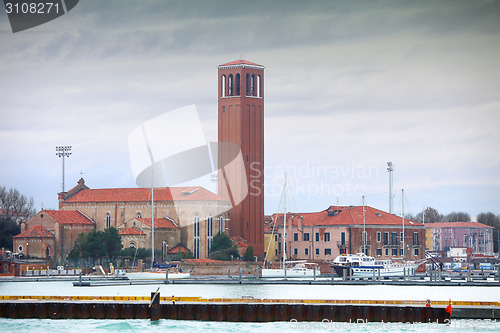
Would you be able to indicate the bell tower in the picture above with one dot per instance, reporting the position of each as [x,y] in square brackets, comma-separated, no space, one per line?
[241,121]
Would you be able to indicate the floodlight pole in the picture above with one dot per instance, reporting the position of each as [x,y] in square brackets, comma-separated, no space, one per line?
[63,151]
[390,169]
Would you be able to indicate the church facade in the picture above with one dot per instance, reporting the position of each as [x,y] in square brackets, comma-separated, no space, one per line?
[188,217]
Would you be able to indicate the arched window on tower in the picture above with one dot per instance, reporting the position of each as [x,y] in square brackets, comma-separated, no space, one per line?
[238,86]
[259,92]
[253,85]
[223,87]
[47,252]
[230,85]
[247,84]
[210,232]
[108,221]
[196,233]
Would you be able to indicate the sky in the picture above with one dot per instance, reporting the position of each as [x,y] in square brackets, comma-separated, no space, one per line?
[349,86]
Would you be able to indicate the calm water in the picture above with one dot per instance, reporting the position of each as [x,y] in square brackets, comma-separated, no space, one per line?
[380,292]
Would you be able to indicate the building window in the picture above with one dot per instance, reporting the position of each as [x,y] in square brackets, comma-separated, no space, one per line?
[295,251]
[164,250]
[139,215]
[20,248]
[394,252]
[415,252]
[196,233]
[394,238]
[223,87]
[328,252]
[379,236]
[386,238]
[108,221]
[47,252]
[221,224]
[401,236]
[379,252]
[386,252]
[132,245]
[306,251]
[317,237]
[230,85]
[259,92]
[306,236]
[342,238]
[210,233]
[415,238]
[238,84]
[248,85]
[317,252]
[295,237]
[401,252]
[364,241]
[327,236]
[342,251]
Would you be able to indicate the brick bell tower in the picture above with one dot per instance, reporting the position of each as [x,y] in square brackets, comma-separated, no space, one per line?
[241,121]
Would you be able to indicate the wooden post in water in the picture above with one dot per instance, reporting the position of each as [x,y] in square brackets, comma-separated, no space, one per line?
[155,311]
[241,270]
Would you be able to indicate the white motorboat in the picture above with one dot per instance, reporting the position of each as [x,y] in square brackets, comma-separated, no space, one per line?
[361,265]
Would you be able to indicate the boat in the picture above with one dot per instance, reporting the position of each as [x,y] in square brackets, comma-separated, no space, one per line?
[361,265]
[295,269]
[289,269]
[159,272]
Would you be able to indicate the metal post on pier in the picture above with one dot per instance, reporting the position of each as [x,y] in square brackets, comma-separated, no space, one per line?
[439,274]
[241,271]
[344,274]
[378,273]
[166,276]
[229,273]
[314,273]
[404,273]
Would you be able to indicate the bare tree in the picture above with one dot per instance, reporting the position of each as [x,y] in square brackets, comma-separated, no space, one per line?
[494,221]
[457,217]
[428,215]
[16,206]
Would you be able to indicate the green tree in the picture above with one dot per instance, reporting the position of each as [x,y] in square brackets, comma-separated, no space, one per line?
[249,256]
[112,242]
[8,229]
[221,241]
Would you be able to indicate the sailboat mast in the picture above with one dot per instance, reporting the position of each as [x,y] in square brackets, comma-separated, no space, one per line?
[152,220]
[284,225]
[403,216]
[364,229]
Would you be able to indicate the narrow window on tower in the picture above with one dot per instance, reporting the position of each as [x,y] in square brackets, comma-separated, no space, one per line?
[223,87]
[253,85]
[248,85]
[238,86]
[259,92]
[230,85]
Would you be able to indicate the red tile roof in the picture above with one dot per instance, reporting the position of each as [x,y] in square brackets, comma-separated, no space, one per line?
[144,194]
[457,225]
[68,216]
[240,62]
[131,231]
[159,222]
[178,249]
[35,232]
[344,215]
